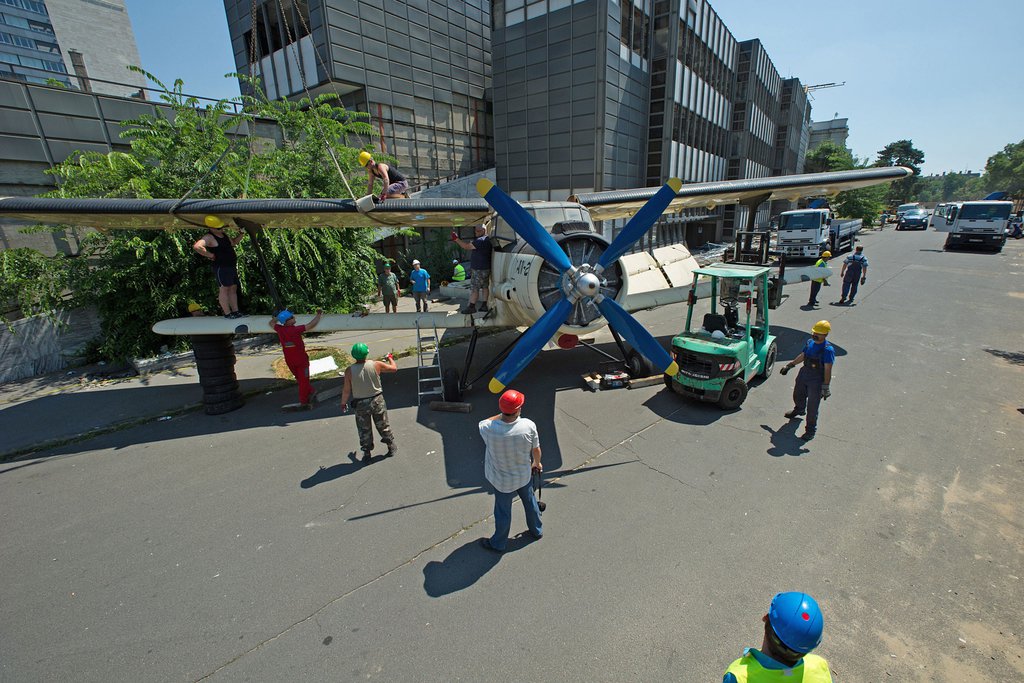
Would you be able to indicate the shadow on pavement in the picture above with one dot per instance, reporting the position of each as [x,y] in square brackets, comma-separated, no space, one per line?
[466,565]
[1012,357]
[785,441]
[791,342]
[326,474]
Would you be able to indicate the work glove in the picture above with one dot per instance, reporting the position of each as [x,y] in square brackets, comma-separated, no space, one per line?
[344,408]
[784,370]
[455,235]
[826,283]
[825,391]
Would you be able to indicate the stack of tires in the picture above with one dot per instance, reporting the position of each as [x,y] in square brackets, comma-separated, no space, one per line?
[215,360]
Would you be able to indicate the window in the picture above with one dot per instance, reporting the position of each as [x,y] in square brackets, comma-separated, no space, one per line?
[9,39]
[30,5]
[278,23]
[635,29]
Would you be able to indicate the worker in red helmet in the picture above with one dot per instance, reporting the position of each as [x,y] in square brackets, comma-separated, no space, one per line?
[512,456]
[792,628]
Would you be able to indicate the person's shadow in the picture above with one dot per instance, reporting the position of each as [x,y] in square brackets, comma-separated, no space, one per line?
[465,565]
[785,441]
[326,474]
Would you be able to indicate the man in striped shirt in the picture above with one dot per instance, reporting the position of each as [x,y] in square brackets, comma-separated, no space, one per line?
[512,456]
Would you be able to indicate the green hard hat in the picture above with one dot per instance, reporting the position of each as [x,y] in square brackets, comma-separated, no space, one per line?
[360,351]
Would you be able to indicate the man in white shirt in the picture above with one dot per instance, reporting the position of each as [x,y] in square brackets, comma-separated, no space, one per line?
[512,456]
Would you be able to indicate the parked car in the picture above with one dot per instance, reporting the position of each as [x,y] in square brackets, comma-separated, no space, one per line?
[916,219]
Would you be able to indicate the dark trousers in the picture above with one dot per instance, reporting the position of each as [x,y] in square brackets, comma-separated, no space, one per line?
[850,287]
[815,288]
[807,395]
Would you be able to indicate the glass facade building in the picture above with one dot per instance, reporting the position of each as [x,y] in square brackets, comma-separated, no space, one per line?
[29,50]
[420,68]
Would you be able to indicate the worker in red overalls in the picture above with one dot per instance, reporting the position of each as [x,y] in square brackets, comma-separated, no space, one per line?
[295,354]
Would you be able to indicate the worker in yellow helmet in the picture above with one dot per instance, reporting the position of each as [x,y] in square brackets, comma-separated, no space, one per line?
[816,284]
[395,184]
[219,247]
[812,382]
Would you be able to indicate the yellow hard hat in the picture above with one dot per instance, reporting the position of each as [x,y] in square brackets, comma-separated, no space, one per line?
[821,327]
[193,307]
[365,158]
[826,254]
[213,222]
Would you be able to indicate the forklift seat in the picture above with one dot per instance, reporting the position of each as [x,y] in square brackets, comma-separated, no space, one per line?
[715,321]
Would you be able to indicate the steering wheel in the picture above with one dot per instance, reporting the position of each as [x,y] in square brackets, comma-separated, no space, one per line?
[729,302]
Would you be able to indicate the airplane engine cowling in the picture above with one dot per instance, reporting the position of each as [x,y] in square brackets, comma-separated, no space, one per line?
[531,285]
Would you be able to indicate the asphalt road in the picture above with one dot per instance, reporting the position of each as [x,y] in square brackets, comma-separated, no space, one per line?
[247,547]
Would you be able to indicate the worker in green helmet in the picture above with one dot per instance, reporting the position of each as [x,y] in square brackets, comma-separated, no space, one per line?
[363,392]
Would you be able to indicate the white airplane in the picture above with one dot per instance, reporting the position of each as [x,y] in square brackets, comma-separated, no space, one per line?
[551,271]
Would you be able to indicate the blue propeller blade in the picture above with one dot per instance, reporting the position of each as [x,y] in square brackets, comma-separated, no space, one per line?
[530,344]
[641,222]
[524,224]
[637,336]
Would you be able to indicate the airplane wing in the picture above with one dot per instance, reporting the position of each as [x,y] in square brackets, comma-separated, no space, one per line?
[156,214]
[260,324]
[624,203]
[173,214]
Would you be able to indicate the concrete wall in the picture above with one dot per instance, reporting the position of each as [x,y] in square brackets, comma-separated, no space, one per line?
[39,345]
[102,32]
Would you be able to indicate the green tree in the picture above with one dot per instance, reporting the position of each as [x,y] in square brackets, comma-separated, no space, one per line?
[865,203]
[1005,170]
[901,153]
[139,276]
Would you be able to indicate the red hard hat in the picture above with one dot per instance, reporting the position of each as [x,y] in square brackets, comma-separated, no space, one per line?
[511,401]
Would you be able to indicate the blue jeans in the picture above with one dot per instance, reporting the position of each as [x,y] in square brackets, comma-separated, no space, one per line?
[503,515]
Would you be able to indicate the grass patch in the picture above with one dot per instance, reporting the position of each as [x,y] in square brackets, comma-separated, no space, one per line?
[343,360]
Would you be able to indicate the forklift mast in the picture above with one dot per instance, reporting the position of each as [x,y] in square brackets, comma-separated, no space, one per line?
[754,247]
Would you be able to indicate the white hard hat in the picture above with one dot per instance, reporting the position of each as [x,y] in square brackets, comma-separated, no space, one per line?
[415,262]
[455,260]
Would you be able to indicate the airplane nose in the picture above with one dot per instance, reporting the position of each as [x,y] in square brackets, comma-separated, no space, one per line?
[588,285]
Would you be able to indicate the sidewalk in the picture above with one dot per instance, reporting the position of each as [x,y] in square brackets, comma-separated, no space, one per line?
[46,411]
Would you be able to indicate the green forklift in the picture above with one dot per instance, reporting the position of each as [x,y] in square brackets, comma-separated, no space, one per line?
[720,357]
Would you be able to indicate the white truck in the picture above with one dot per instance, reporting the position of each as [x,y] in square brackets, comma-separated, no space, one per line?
[974,224]
[806,233]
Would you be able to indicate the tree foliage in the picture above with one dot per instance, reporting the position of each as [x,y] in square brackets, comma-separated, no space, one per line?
[138,277]
[901,153]
[865,203]
[1005,170]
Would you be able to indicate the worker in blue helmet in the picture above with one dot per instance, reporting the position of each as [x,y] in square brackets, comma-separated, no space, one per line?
[792,628]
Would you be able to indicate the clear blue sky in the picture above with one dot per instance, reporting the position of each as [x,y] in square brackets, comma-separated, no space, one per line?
[943,73]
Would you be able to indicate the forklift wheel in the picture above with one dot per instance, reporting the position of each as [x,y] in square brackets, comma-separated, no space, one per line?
[733,394]
[769,361]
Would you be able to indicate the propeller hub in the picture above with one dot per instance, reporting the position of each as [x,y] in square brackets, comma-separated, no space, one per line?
[588,285]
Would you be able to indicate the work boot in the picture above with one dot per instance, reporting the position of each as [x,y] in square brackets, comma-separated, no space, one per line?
[367,456]
[392,450]
[793,414]
[808,434]
[469,310]
[842,301]
[483,307]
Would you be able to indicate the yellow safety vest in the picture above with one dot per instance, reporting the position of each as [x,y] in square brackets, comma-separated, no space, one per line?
[460,274]
[821,264]
[812,669]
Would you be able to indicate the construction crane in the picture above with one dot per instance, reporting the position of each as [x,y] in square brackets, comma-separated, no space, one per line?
[821,86]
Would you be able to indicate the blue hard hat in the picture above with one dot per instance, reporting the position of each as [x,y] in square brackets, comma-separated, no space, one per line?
[283,316]
[796,620]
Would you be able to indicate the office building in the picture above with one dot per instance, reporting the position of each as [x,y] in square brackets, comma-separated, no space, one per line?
[421,69]
[836,131]
[81,44]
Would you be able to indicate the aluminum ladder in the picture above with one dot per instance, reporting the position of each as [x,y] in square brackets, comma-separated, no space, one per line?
[428,364]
